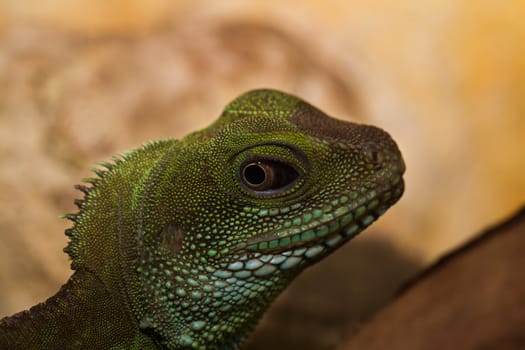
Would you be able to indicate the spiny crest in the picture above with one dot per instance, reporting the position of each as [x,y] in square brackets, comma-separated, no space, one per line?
[71,249]
[75,245]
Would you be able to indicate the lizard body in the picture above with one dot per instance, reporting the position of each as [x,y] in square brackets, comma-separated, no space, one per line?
[182,244]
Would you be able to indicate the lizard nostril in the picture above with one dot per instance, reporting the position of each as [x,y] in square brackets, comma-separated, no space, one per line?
[374,155]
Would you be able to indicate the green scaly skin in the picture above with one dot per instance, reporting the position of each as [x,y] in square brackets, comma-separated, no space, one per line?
[184,244]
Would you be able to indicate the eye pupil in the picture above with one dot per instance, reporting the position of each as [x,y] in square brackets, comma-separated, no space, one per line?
[254,174]
[268,176]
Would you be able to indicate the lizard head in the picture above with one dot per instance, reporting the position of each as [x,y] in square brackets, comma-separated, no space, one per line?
[232,213]
[309,182]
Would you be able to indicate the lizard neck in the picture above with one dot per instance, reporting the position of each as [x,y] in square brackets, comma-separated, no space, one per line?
[82,314]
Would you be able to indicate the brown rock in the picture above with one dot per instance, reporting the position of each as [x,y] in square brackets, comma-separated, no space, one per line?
[473,298]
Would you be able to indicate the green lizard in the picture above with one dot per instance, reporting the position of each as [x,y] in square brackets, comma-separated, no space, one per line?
[182,244]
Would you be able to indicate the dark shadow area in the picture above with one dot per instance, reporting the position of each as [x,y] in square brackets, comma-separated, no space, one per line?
[473,298]
[329,298]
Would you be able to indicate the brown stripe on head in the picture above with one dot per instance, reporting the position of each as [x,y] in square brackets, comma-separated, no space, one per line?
[314,122]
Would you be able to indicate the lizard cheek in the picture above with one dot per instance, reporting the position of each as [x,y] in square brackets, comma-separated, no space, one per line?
[172,238]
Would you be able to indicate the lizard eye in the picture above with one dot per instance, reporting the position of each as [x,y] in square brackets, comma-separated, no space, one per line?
[268,176]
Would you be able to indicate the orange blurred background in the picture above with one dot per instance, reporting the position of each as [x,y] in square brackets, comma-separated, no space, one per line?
[82,80]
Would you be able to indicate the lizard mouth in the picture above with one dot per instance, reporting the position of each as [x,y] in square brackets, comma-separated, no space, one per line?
[341,223]
[320,238]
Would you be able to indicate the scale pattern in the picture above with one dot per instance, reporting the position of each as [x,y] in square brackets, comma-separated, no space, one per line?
[182,244]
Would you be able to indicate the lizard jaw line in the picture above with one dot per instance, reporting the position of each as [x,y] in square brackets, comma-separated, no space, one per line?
[337,230]
[258,263]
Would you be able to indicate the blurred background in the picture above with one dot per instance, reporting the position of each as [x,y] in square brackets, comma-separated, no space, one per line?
[82,80]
